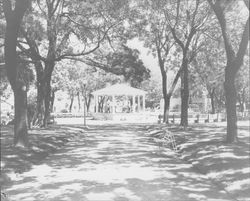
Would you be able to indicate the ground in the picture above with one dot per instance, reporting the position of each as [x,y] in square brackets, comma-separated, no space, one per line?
[120,162]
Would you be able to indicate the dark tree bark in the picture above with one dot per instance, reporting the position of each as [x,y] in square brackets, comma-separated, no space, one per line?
[212,97]
[21,115]
[164,84]
[79,101]
[52,100]
[71,103]
[184,67]
[168,94]
[184,93]
[161,61]
[234,62]
[40,110]
[88,100]
[13,21]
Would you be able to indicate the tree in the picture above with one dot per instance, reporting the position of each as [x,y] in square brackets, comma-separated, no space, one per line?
[14,14]
[122,62]
[207,68]
[75,77]
[154,92]
[186,20]
[86,23]
[242,85]
[234,57]
[153,30]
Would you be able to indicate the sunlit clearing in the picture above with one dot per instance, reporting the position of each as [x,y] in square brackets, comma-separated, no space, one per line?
[237,185]
[227,172]
[196,196]
[194,188]
[231,155]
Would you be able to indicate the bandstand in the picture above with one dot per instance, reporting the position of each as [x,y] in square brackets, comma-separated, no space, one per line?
[119,99]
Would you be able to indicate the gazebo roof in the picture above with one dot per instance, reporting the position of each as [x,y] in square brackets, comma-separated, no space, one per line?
[119,90]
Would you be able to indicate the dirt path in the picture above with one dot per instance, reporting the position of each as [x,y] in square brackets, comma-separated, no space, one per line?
[113,163]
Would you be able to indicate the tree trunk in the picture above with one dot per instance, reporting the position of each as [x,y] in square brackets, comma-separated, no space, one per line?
[13,20]
[166,108]
[21,112]
[231,99]
[184,94]
[88,102]
[211,94]
[71,103]
[165,97]
[40,107]
[47,91]
[79,101]
[52,99]
[49,67]
[47,97]
[234,62]
[164,85]
[101,104]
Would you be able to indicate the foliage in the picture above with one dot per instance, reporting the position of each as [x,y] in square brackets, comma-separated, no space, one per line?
[154,95]
[123,62]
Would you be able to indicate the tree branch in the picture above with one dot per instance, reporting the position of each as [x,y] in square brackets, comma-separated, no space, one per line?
[177,39]
[195,12]
[243,43]
[32,45]
[222,21]
[83,53]
[7,9]
[247,3]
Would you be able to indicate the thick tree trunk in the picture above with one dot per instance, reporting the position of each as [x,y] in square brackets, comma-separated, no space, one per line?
[164,86]
[184,94]
[234,62]
[13,20]
[47,92]
[21,115]
[231,99]
[40,107]
[49,67]
[166,109]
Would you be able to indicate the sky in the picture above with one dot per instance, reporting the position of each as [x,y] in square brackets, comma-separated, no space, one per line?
[150,61]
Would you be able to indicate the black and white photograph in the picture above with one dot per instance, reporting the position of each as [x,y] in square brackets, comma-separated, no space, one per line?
[124,100]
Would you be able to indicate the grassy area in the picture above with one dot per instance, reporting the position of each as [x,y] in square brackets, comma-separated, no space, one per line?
[227,165]
[42,143]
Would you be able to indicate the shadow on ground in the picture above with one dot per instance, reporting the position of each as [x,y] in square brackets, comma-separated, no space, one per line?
[204,147]
[116,163]
[43,142]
